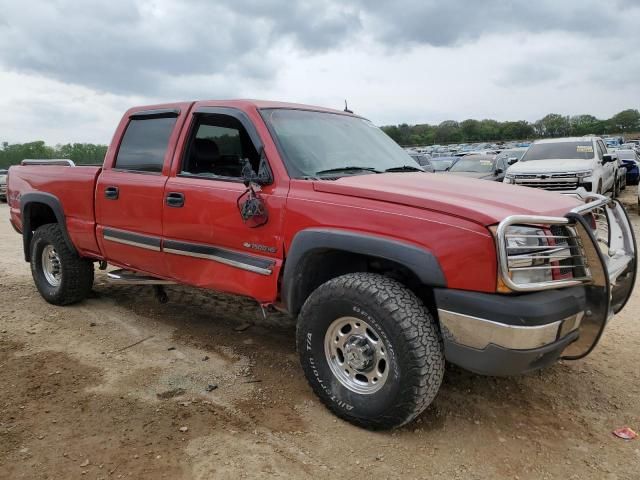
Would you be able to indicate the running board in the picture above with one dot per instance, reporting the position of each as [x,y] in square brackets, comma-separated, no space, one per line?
[129,277]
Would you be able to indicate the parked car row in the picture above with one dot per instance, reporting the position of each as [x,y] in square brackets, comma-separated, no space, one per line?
[3,185]
[573,165]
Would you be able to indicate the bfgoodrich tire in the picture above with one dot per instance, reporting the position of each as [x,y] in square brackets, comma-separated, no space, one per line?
[370,350]
[60,275]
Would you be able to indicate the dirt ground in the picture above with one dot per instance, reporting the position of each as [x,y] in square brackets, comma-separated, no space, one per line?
[77,400]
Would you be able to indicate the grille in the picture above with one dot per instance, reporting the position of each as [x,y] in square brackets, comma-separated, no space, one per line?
[551,181]
[548,184]
[563,239]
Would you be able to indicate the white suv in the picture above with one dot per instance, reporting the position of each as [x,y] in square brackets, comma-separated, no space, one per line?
[567,165]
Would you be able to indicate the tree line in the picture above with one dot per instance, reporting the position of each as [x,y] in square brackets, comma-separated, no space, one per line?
[449,131]
[86,153]
[552,125]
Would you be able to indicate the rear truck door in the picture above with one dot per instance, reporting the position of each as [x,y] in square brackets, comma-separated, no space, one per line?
[130,189]
[206,240]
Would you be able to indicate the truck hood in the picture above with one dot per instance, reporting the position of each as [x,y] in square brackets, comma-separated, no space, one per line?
[486,203]
[552,166]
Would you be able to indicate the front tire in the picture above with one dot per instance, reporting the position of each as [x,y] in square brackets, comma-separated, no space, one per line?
[370,350]
[61,277]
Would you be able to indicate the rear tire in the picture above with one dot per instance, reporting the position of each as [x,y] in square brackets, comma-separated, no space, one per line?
[370,350]
[60,275]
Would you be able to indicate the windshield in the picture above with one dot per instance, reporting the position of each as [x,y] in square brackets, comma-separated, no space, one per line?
[474,164]
[512,153]
[556,150]
[441,164]
[315,142]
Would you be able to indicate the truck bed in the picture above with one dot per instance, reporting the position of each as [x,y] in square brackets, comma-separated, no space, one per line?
[73,186]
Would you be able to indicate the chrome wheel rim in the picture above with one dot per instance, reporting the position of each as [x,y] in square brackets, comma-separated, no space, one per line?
[356,355]
[51,266]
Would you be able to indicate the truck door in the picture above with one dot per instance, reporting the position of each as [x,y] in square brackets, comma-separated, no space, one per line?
[206,242]
[608,169]
[129,191]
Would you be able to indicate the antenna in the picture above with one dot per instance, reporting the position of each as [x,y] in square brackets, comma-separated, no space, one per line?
[346,107]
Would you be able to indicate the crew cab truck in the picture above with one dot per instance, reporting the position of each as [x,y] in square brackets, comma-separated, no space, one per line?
[573,166]
[389,270]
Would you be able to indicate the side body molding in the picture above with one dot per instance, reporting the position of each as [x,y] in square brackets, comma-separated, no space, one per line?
[418,260]
[27,200]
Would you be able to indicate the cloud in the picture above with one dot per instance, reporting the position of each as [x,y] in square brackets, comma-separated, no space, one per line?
[406,60]
[438,23]
[140,47]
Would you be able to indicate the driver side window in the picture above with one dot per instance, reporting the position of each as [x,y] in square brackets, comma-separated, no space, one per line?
[218,146]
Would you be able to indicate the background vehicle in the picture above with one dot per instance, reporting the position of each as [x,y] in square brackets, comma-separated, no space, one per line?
[389,270]
[631,161]
[3,185]
[441,164]
[423,160]
[567,165]
[485,167]
[512,155]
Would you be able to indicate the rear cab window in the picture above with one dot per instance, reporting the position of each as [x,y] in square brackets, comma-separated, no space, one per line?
[144,144]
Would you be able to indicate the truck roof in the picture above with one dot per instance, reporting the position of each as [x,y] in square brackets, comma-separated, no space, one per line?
[243,103]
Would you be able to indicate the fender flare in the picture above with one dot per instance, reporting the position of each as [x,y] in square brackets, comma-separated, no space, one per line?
[31,198]
[418,260]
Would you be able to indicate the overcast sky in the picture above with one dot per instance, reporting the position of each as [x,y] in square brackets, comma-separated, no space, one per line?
[69,68]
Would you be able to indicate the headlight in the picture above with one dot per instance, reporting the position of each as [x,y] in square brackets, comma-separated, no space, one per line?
[584,174]
[525,249]
[509,178]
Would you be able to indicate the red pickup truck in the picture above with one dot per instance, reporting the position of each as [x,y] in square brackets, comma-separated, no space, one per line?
[390,270]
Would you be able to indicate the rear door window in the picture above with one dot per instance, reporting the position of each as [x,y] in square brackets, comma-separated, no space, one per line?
[145,144]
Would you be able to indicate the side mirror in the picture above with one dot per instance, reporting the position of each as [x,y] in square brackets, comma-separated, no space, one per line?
[264,175]
[512,160]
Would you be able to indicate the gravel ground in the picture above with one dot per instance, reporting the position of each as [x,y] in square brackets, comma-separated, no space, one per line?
[79,400]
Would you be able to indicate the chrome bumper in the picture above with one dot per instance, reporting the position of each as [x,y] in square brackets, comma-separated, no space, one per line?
[479,333]
[611,258]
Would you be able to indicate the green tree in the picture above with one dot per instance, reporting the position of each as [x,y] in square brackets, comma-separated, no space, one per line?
[448,132]
[84,153]
[471,130]
[627,120]
[583,125]
[553,125]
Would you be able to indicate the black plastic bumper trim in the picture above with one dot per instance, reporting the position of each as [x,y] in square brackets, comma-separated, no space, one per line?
[528,309]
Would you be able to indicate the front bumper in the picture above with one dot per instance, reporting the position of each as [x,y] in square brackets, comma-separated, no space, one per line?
[498,334]
[495,334]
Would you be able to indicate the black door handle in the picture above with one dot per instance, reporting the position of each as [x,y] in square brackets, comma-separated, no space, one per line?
[111,193]
[175,199]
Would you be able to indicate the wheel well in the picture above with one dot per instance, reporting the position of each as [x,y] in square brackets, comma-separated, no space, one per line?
[34,215]
[39,214]
[321,265]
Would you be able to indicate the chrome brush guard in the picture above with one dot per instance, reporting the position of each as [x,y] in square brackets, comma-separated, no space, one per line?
[601,259]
